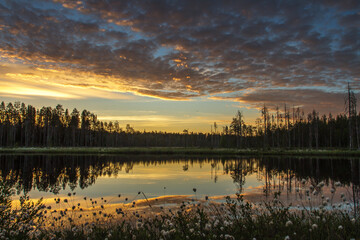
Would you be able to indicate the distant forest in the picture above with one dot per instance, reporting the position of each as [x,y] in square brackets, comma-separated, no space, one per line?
[25,126]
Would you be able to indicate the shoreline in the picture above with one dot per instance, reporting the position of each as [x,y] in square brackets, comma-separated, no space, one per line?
[180,151]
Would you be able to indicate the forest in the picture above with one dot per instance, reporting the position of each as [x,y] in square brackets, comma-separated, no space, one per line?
[23,125]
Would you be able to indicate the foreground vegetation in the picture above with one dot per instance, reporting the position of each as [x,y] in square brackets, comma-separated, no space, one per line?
[234,219]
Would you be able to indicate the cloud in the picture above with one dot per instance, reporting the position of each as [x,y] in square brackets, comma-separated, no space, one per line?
[20,81]
[213,47]
[307,99]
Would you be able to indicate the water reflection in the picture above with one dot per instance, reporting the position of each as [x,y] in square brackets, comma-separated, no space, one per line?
[54,173]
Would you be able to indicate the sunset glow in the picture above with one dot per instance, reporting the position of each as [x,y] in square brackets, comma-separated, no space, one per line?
[189,64]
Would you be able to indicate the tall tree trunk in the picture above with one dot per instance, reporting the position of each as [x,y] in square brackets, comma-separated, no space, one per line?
[349,110]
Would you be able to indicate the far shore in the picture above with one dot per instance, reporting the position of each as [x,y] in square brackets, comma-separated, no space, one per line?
[180,151]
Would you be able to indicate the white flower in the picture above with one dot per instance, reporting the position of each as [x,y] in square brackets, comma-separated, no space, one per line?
[287,238]
[288,223]
[321,184]
[340,227]
[337,184]
[314,226]
[227,236]
[207,226]
[164,233]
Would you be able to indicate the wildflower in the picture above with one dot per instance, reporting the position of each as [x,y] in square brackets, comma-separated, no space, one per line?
[138,224]
[340,227]
[288,223]
[337,184]
[353,220]
[227,236]
[314,226]
[207,226]
[321,184]
[287,238]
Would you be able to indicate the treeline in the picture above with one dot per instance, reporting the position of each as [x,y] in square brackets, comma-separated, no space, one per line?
[25,126]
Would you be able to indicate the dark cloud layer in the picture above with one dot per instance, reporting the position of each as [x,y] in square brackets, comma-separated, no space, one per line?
[184,49]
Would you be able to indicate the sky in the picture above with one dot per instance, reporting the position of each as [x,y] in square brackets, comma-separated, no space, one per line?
[173,65]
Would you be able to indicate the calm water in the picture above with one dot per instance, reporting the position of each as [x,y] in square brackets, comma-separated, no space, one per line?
[50,176]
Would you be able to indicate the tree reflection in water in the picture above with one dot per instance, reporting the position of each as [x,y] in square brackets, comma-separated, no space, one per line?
[52,173]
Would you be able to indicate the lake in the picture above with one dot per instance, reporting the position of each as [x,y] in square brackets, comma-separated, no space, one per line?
[167,178]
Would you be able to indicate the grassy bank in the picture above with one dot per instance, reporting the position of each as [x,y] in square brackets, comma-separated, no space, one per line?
[234,219]
[181,151]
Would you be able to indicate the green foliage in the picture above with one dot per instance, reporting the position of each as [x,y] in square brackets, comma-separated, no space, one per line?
[25,126]
[233,219]
[21,223]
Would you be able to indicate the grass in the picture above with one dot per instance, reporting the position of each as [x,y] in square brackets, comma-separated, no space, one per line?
[181,151]
[234,219]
